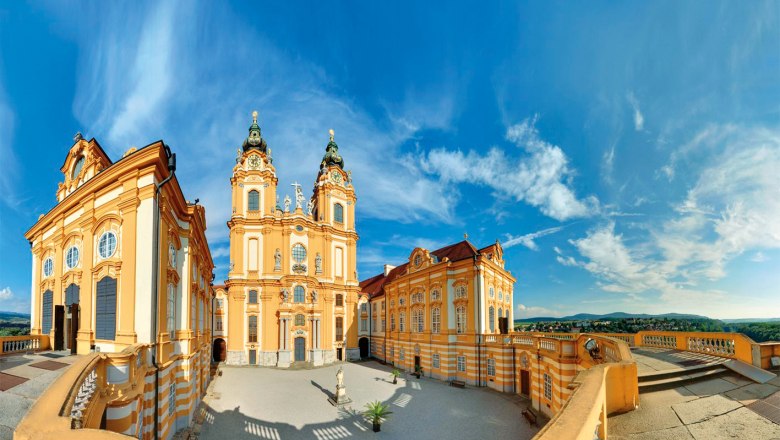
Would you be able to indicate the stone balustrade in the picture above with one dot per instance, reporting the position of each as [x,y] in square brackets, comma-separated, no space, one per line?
[23,344]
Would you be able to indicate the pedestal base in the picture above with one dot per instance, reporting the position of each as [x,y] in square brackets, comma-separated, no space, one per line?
[340,399]
[284,359]
[315,357]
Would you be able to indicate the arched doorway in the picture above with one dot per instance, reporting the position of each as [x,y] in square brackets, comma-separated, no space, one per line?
[363,344]
[219,350]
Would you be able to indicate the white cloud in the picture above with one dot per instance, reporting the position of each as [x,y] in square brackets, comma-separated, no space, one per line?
[539,178]
[759,257]
[166,81]
[731,208]
[523,311]
[6,293]
[639,119]
[527,240]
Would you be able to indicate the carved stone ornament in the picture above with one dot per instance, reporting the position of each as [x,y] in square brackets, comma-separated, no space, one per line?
[299,268]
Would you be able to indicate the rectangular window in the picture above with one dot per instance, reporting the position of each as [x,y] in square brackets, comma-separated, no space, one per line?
[339,262]
[460,319]
[392,322]
[338,213]
[193,306]
[339,300]
[219,323]
[171,310]
[547,386]
[339,328]
[172,397]
[491,367]
[200,315]
[462,364]
[383,324]
[401,354]
[436,360]
[105,309]
[253,297]
[220,303]
[436,320]
[373,324]
[363,324]
[46,307]
[252,329]
[402,322]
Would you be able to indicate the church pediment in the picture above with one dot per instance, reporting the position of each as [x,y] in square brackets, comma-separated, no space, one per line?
[85,159]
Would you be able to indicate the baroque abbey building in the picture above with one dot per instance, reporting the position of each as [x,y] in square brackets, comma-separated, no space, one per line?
[292,289]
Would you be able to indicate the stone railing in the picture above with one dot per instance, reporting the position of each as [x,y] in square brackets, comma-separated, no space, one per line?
[73,406]
[660,341]
[23,344]
[607,385]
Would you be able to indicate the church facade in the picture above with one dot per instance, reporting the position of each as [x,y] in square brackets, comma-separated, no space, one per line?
[292,288]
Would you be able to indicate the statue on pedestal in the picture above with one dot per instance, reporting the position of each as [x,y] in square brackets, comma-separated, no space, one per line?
[340,398]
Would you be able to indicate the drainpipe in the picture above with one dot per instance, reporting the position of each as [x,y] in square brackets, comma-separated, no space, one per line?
[479,323]
[156,288]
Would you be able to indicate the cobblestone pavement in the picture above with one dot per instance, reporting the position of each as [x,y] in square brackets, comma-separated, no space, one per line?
[17,400]
[268,403]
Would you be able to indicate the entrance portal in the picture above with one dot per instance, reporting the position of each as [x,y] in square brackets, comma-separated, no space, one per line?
[363,344]
[300,349]
[525,383]
[59,327]
[219,351]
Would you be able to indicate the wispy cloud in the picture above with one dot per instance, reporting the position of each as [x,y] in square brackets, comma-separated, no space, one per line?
[5,293]
[639,119]
[527,240]
[523,311]
[539,178]
[10,173]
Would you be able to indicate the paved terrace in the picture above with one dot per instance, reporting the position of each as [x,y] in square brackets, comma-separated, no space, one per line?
[24,377]
[266,403]
[726,407]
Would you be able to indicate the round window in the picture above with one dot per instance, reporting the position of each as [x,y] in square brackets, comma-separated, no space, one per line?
[72,257]
[77,167]
[299,228]
[48,267]
[299,253]
[107,244]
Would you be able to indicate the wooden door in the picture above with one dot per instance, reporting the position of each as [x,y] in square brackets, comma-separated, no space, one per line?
[59,327]
[300,347]
[525,383]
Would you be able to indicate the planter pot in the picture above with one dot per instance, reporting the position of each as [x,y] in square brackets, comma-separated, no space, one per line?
[377,427]
[417,375]
[395,380]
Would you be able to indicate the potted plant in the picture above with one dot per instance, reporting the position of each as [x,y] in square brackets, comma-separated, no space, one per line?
[395,373]
[418,370]
[378,413]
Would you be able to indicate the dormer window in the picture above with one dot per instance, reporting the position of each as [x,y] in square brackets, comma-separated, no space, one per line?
[417,260]
[77,167]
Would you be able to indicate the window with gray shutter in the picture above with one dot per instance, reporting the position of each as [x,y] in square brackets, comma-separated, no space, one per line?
[253,297]
[46,308]
[72,294]
[105,309]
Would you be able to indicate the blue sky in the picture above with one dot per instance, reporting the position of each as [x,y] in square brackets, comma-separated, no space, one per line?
[627,156]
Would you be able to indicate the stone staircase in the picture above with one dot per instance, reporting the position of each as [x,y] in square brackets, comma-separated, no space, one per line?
[672,378]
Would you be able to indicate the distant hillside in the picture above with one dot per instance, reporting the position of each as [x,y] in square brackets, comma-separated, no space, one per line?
[609,316]
[746,320]
[10,315]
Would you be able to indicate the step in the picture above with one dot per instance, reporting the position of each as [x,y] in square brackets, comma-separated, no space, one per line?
[662,374]
[676,381]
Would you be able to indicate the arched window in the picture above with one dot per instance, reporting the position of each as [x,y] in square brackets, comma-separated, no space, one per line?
[253,297]
[501,313]
[435,295]
[299,295]
[107,245]
[500,295]
[254,201]
[436,320]
[338,213]
[492,318]
[460,319]
[492,293]
[171,311]
[300,320]
[402,322]
[47,305]
[339,300]
[105,309]
[252,329]
[460,292]
[506,313]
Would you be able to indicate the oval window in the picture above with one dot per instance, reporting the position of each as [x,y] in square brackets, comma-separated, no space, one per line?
[107,245]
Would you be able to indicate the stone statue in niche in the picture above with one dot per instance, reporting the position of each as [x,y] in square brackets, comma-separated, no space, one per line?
[287,203]
[314,296]
[278,260]
[318,263]
[285,295]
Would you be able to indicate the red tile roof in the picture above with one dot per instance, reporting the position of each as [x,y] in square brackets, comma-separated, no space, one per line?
[374,286]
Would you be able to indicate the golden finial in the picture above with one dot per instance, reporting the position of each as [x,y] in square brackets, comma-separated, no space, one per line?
[466,235]
[332,134]
[254,116]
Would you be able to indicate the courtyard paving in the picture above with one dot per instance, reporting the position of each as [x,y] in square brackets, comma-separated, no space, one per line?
[265,403]
[24,378]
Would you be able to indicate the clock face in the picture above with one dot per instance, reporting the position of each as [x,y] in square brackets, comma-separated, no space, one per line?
[336,176]
[254,162]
